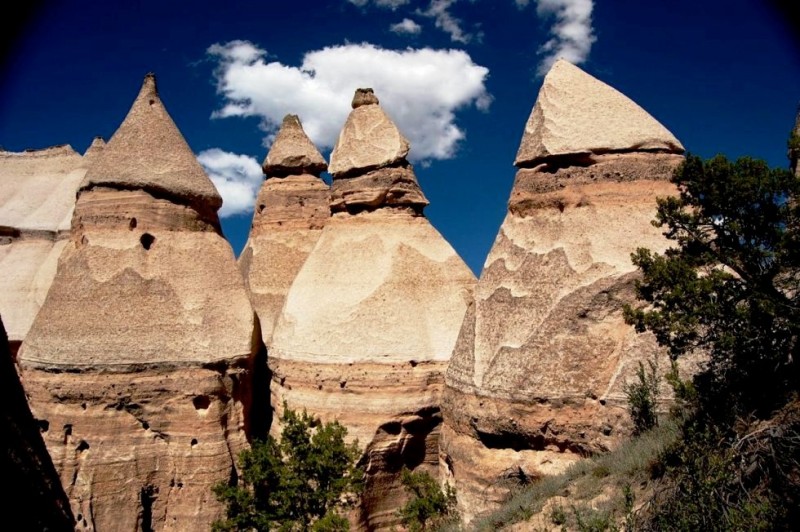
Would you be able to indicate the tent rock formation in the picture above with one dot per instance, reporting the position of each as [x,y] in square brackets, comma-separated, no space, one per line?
[292,207]
[371,318]
[138,360]
[537,374]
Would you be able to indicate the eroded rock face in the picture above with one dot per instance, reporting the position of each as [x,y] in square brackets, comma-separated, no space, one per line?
[371,318]
[292,207]
[138,360]
[537,376]
[37,197]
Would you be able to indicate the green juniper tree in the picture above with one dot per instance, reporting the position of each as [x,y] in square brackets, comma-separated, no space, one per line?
[728,291]
[298,483]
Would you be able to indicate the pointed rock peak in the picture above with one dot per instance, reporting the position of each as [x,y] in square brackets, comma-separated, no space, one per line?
[95,148]
[368,140]
[292,152]
[576,113]
[364,97]
[148,152]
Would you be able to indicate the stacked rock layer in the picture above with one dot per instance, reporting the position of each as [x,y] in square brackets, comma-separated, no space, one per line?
[370,321]
[137,363]
[292,207]
[37,197]
[537,376]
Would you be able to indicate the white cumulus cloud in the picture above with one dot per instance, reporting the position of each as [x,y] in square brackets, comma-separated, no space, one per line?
[439,11]
[406,26]
[420,89]
[572,33]
[391,4]
[237,178]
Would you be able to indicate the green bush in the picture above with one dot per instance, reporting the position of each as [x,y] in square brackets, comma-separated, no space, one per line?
[643,398]
[298,483]
[429,506]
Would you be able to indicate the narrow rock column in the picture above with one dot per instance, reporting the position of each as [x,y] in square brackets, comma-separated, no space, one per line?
[371,318]
[137,364]
[292,207]
[537,375]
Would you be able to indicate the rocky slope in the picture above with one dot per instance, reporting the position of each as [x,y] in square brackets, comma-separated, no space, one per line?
[537,374]
[371,318]
[137,363]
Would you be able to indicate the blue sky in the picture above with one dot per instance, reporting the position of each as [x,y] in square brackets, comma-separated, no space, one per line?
[459,77]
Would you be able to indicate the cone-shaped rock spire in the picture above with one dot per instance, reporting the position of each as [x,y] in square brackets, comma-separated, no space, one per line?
[292,152]
[576,113]
[369,139]
[292,207]
[139,357]
[95,149]
[538,372]
[371,318]
[148,153]
[369,164]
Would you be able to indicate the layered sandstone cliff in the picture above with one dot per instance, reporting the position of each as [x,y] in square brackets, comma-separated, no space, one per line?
[37,197]
[137,362]
[537,375]
[371,318]
[292,207]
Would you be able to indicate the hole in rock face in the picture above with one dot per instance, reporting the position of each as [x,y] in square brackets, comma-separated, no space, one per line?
[67,430]
[261,208]
[194,442]
[147,497]
[147,240]
[82,446]
[152,102]
[201,402]
[132,225]
[44,425]
[145,425]
[342,384]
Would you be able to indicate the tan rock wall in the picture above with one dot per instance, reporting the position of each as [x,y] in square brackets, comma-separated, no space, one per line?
[140,451]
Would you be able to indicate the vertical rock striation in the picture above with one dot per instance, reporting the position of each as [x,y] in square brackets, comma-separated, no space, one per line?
[371,318]
[137,360]
[537,374]
[293,206]
[37,197]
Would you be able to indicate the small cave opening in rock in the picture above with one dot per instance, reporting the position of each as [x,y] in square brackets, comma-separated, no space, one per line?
[44,425]
[194,442]
[147,240]
[507,440]
[132,224]
[82,446]
[201,402]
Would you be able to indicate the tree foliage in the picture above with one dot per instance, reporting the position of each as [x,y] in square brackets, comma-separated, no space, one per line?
[642,397]
[297,483]
[429,506]
[728,291]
